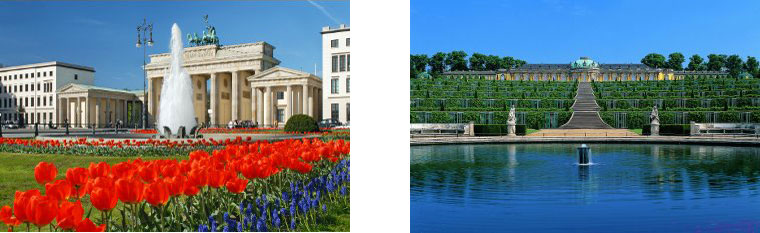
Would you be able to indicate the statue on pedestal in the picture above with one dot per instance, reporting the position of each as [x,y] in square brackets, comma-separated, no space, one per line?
[654,120]
[511,122]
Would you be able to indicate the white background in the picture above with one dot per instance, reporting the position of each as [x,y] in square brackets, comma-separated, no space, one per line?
[380,106]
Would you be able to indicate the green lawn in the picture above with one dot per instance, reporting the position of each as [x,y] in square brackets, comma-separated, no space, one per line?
[637,131]
[17,173]
[530,131]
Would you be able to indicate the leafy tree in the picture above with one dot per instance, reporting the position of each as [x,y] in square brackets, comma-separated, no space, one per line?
[437,63]
[654,60]
[716,62]
[419,62]
[507,63]
[492,62]
[456,60]
[519,63]
[751,66]
[477,61]
[734,64]
[695,63]
[675,61]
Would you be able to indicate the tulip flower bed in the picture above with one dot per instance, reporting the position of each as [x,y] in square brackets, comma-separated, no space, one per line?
[281,186]
[143,131]
[266,131]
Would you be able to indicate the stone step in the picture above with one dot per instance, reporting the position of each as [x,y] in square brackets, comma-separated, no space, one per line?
[586,111]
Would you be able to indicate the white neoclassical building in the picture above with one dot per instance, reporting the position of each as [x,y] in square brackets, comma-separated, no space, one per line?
[231,82]
[336,71]
[28,92]
[89,106]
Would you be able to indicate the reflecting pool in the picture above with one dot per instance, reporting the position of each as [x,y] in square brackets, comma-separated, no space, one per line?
[541,188]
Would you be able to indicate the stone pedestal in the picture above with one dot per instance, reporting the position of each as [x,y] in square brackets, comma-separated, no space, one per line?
[472,128]
[511,129]
[655,131]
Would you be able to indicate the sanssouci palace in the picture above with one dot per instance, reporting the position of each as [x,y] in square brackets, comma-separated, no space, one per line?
[584,69]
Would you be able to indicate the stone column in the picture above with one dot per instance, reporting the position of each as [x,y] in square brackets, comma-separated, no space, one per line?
[235,90]
[97,112]
[212,98]
[86,120]
[268,107]
[149,98]
[77,112]
[289,99]
[305,98]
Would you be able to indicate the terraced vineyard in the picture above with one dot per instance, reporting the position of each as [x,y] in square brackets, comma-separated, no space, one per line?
[628,104]
[538,104]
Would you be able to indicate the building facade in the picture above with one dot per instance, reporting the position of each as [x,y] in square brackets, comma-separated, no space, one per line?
[28,92]
[336,73]
[584,69]
[226,86]
[89,106]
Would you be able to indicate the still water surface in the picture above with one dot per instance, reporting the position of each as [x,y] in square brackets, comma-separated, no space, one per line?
[540,188]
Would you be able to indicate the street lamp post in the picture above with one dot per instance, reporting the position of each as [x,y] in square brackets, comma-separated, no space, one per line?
[141,39]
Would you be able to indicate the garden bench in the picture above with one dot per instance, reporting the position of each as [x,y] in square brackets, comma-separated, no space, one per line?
[441,129]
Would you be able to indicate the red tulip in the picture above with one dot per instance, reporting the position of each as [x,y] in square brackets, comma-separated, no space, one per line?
[45,172]
[191,190]
[176,185]
[43,210]
[6,216]
[148,173]
[99,170]
[87,226]
[217,179]
[123,170]
[21,204]
[77,176]
[103,199]
[157,194]
[69,215]
[130,190]
[60,190]
[236,185]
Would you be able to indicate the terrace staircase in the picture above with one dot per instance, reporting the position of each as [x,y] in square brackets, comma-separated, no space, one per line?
[585,110]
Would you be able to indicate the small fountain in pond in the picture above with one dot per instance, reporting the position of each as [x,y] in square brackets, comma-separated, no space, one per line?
[584,155]
[176,110]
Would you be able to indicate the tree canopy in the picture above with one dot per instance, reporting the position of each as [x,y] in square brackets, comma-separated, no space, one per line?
[695,63]
[675,61]
[654,60]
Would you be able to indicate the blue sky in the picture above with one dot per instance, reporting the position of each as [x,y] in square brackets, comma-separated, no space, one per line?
[559,31]
[103,34]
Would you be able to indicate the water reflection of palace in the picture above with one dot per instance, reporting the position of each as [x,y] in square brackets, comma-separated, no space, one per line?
[486,172]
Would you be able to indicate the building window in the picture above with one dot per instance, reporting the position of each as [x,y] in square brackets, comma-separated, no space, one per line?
[334,64]
[334,43]
[334,111]
[348,84]
[349,62]
[76,76]
[334,85]
[348,42]
[342,63]
[51,73]
[280,95]
[348,112]
[280,115]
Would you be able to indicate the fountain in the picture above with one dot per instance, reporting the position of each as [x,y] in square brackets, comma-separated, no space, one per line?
[176,107]
[584,155]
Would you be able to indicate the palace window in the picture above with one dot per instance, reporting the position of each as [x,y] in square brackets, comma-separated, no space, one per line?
[334,64]
[76,76]
[334,43]
[334,111]
[342,63]
[348,84]
[348,112]
[334,85]
[280,95]
[280,115]
[348,42]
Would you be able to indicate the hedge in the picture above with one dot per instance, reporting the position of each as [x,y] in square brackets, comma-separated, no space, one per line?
[669,130]
[497,130]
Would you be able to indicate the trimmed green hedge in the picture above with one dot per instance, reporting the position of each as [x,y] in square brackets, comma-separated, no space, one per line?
[669,130]
[497,130]
[301,123]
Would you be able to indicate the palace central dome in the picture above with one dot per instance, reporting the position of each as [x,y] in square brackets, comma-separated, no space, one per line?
[584,63]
